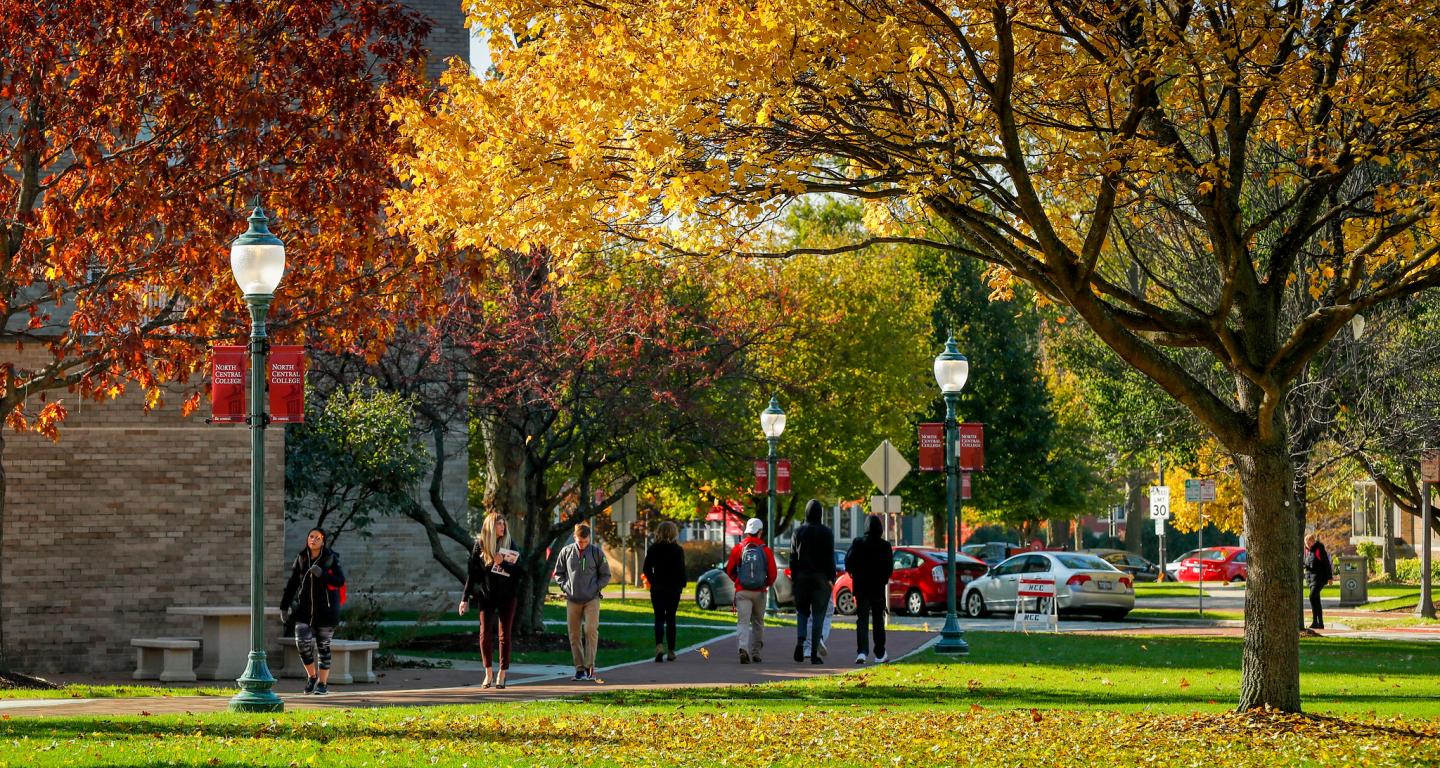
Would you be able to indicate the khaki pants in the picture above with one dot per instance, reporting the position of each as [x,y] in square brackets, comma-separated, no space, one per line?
[582,649]
[750,615]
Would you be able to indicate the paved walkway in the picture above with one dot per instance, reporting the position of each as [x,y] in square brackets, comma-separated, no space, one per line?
[714,663]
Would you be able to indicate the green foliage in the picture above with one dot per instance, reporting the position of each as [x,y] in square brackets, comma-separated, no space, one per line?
[1408,570]
[356,457]
[1371,552]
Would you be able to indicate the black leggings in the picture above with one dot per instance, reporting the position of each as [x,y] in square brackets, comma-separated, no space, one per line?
[1317,615]
[312,639]
[665,605]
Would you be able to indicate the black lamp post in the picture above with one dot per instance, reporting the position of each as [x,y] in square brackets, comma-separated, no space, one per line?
[951,371]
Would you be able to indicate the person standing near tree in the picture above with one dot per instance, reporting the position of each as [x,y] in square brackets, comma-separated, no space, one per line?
[664,571]
[493,576]
[752,567]
[812,565]
[1318,572]
[315,593]
[870,562]
[582,572]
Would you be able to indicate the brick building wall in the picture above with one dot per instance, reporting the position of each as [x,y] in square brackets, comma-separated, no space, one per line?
[448,36]
[127,514]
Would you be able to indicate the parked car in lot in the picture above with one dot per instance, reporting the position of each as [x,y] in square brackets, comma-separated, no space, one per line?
[992,552]
[1138,567]
[1215,564]
[1083,584]
[918,582]
[715,590]
[1172,568]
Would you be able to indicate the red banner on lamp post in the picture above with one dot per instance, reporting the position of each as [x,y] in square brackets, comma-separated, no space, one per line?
[932,447]
[287,384]
[227,385]
[972,447]
[762,476]
[964,486]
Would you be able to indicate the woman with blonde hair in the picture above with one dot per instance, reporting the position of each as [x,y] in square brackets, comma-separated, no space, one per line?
[664,571]
[493,580]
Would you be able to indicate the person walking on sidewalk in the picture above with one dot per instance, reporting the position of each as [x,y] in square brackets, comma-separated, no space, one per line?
[492,581]
[314,591]
[812,567]
[752,567]
[664,571]
[870,563]
[582,572]
[1318,573]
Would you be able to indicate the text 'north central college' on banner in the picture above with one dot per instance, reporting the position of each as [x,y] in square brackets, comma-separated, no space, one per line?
[287,384]
[227,384]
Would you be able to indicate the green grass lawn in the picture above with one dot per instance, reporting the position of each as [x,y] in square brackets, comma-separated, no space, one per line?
[1185,613]
[112,692]
[1017,700]
[1166,589]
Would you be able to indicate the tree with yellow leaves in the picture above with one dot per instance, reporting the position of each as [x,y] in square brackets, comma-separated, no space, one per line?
[1177,173]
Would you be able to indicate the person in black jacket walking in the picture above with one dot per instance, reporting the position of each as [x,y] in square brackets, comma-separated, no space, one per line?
[812,565]
[664,571]
[314,592]
[491,585]
[1318,573]
[870,562]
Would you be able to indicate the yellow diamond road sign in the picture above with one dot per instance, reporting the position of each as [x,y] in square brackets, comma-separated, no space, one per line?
[886,467]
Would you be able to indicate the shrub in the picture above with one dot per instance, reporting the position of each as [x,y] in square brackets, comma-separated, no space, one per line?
[701,556]
[1371,552]
[1408,570]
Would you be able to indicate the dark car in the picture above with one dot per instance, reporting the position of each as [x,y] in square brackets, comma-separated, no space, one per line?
[1138,567]
[992,552]
[715,590]
[918,583]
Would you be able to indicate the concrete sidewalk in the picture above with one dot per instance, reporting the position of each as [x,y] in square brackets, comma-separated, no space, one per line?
[712,664]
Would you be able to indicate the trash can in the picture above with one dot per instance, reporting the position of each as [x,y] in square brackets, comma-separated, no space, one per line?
[1354,580]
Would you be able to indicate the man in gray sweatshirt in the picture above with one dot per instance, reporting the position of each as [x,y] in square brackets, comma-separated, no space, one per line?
[581,571]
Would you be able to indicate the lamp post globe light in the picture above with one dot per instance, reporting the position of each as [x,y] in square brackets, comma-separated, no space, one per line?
[772,425]
[257,259]
[951,371]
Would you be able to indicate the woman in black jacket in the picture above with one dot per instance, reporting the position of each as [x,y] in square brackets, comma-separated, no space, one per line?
[491,584]
[664,571]
[314,592]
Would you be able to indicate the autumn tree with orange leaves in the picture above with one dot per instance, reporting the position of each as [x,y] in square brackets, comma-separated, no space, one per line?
[131,136]
[1214,187]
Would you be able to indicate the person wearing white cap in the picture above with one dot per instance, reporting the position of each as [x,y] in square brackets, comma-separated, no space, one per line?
[752,567]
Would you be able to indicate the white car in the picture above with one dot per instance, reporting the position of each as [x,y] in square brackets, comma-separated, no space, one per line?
[1083,584]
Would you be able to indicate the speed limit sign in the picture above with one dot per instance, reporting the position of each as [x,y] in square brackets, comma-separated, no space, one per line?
[1160,502]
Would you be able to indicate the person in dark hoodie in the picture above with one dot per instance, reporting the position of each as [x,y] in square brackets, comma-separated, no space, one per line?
[870,563]
[812,565]
[664,571]
[314,592]
[1318,572]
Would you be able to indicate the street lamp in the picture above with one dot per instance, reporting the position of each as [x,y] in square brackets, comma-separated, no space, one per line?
[257,259]
[772,425]
[951,371]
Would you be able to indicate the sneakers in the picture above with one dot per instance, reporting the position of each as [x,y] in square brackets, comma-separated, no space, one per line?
[823,649]
[309,685]
[321,689]
[816,660]
[670,655]
[859,658]
[744,656]
[799,652]
[755,657]
[659,653]
[579,675]
[881,659]
[590,676]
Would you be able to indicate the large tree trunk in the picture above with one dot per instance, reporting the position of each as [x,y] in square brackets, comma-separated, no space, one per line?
[507,491]
[1134,525]
[1270,667]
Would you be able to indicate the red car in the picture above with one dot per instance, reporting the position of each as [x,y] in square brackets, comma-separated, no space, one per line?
[1215,564]
[918,582]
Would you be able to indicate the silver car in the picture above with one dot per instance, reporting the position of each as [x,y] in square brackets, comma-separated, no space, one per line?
[1083,584]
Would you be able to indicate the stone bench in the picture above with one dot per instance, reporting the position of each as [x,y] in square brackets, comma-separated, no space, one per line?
[351,661]
[168,659]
